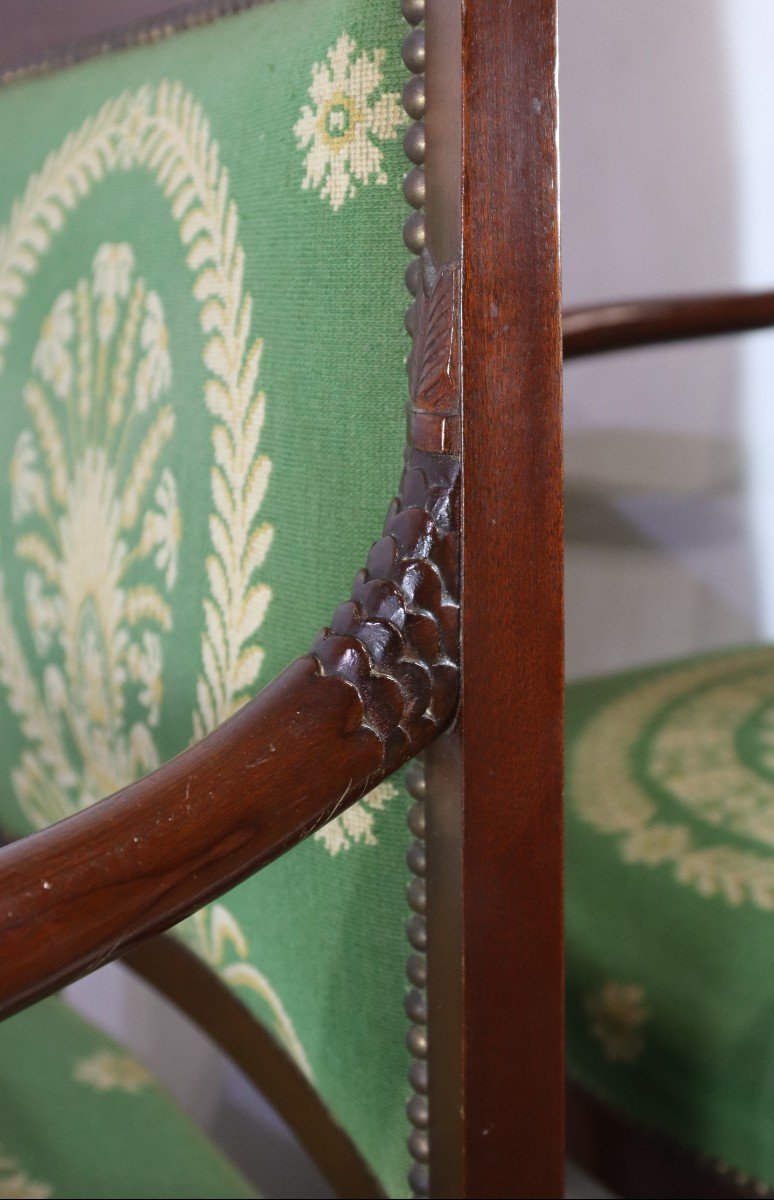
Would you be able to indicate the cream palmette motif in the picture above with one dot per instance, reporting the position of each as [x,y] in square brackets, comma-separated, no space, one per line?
[92,498]
[91,495]
[690,756]
[98,529]
[348,117]
[163,131]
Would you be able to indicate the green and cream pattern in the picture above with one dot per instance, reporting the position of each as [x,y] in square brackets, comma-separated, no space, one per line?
[707,746]
[356,825]
[201,395]
[670,883]
[112,1070]
[165,132]
[348,117]
[80,1118]
[15,1184]
[93,510]
[216,935]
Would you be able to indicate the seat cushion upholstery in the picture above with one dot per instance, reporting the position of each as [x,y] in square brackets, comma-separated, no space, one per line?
[670,900]
[79,1117]
[202,394]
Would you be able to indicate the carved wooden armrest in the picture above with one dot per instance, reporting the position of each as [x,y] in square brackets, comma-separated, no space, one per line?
[378,685]
[624,325]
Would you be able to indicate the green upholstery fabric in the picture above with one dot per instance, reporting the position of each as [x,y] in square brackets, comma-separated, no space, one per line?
[670,900]
[79,1117]
[202,401]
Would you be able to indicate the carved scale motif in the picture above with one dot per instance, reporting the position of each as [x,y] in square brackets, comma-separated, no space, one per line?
[397,638]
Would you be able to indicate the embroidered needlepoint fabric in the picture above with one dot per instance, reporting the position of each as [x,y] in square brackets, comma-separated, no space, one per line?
[81,1118]
[670,912]
[202,385]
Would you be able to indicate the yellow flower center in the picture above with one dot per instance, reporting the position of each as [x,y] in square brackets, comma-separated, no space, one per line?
[338,121]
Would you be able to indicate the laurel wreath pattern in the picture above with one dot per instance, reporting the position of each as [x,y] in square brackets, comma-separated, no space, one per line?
[694,758]
[165,131]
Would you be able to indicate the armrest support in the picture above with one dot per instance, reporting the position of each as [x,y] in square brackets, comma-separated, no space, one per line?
[602,328]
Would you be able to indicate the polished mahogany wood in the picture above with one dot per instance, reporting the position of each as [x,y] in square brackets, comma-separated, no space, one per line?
[379,684]
[627,324]
[197,992]
[512,631]
[494,807]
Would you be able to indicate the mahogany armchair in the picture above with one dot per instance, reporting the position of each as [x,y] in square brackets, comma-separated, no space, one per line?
[201,205]
[207,210]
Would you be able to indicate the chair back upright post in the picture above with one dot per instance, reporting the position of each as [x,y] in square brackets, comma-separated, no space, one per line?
[494,783]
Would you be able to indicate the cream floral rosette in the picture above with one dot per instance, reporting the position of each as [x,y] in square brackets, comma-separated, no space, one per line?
[349,116]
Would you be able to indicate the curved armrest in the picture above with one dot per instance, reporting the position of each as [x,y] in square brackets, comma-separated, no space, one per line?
[622,326]
[378,685]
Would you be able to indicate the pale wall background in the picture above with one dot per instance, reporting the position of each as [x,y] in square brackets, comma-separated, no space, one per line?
[654,188]
[667,147]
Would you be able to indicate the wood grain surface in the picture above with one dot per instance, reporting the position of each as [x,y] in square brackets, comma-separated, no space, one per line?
[494,807]
[627,324]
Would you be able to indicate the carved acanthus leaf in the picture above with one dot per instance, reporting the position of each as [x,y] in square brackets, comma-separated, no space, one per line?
[434,409]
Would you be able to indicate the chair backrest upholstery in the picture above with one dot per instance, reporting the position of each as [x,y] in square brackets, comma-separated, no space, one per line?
[202,383]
